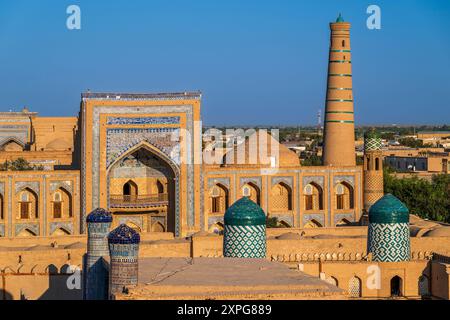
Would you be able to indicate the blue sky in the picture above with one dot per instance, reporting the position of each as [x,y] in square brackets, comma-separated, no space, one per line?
[256,62]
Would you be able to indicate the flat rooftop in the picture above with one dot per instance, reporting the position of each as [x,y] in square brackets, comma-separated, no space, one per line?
[225,278]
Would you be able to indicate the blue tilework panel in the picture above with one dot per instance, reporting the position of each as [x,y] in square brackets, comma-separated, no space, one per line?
[143,120]
[120,141]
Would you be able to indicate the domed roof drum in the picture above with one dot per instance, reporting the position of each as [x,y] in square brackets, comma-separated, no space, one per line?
[388,233]
[124,235]
[245,212]
[389,210]
[99,215]
[245,230]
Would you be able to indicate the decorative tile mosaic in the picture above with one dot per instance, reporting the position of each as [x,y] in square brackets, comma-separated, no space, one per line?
[67,226]
[33,227]
[120,141]
[319,180]
[348,179]
[286,180]
[318,217]
[389,242]
[339,216]
[244,241]
[223,181]
[143,120]
[255,180]
[67,185]
[32,185]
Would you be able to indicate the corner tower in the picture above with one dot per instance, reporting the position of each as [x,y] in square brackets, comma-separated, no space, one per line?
[339,134]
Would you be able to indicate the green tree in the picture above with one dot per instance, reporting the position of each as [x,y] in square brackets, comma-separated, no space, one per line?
[312,160]
[19,164]
[427,199]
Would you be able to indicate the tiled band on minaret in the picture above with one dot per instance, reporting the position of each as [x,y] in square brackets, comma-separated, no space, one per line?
[373,169]
[339,145]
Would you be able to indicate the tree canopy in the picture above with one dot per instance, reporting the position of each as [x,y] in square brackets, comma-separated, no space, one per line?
[427,199]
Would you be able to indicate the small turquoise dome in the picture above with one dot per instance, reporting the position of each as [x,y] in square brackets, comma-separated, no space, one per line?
[389,210]
[99,215]
[124,235]
[340,18]
[245,212]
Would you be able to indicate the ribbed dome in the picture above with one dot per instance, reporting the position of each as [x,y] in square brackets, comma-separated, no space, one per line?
[124,235]
[99,215]
[389,210]
[245,212]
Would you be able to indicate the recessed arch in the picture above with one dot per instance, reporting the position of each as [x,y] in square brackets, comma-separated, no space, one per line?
[312,224]
[130,189]
[313,196]
[354,287]
[60,232]
[345,198]
[157,188]
[281,197]
[12,144]
[158,227]
[252,191]
[219,199]
[25,233]
[27,204]
[396,286]
[61,204]
[285,224]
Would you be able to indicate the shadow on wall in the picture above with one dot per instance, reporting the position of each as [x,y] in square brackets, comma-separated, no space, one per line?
[5,295]
[58,289]
[62,286]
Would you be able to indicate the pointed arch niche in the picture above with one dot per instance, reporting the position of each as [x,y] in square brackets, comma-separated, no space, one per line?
[144,181]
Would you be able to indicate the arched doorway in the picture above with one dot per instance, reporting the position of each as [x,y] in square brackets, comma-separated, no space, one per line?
[354,287]
[142,189]
[396,287]
[130,190]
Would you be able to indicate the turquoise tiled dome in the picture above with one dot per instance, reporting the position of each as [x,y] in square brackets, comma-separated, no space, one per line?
[389,210]
[245,230]
[245,212]
[388,233]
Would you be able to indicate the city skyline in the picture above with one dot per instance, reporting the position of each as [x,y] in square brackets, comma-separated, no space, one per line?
[243,57]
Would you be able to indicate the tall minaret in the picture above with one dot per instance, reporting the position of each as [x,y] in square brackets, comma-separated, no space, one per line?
[339,132]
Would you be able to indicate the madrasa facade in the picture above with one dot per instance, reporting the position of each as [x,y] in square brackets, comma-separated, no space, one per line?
[141,156]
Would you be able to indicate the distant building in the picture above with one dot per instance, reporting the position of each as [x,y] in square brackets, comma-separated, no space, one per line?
[432,162]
